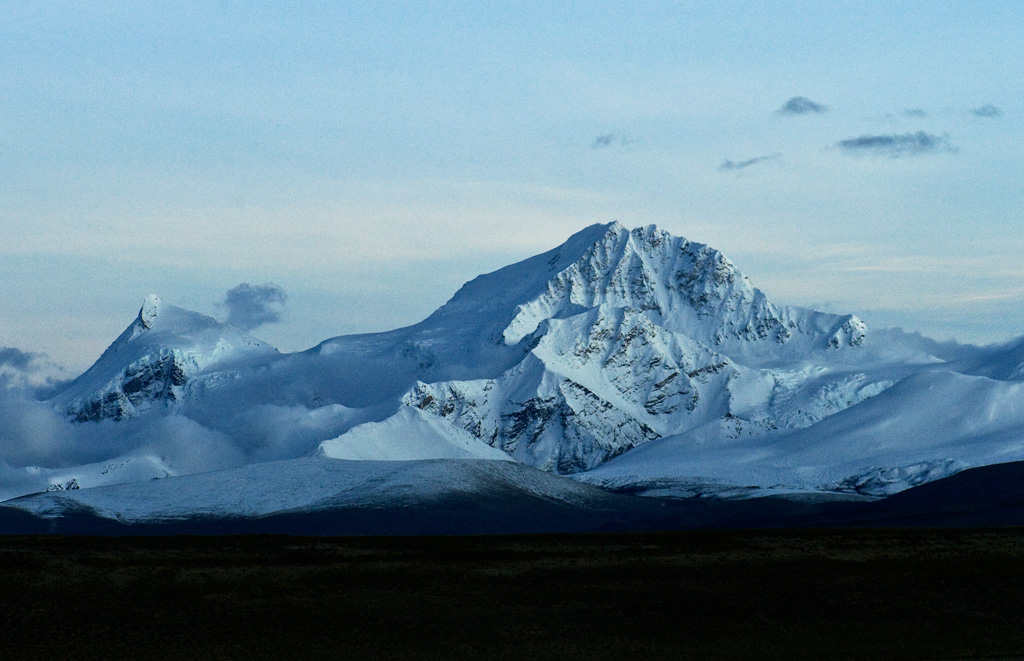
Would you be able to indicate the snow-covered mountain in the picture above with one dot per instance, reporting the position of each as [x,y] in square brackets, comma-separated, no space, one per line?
[629,359]
[152,364]
[613,339]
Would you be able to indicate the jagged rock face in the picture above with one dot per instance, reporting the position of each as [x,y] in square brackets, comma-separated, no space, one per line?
[851,333]
[595,385]
[624,352]
[562,427]
[69,485]
[153,381]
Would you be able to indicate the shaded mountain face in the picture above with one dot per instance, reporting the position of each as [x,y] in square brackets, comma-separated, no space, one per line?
[632,359]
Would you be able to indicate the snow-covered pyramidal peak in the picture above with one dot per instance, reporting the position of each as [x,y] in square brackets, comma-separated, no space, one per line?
[678,282]
[687,287]
[154,359]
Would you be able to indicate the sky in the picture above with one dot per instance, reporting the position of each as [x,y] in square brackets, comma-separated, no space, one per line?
[352,164]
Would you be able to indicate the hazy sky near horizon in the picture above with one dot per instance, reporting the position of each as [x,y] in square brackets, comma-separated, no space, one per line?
[368,158]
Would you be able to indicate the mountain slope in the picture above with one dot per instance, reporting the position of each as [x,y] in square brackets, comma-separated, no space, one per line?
[927,426]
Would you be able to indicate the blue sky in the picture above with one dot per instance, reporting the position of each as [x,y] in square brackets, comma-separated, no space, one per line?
[370,157]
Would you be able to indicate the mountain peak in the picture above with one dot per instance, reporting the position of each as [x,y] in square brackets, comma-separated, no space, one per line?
[650,270]
[149,311]
[688,287]
[154,360]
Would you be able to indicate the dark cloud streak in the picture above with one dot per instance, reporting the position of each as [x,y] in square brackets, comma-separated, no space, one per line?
[897,145]
[33,374]
[19,360]
[987,110]
[801,105]
[729,166]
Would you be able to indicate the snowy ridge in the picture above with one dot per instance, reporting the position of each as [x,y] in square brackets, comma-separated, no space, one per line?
[408,435]
[685,286]
[117,470]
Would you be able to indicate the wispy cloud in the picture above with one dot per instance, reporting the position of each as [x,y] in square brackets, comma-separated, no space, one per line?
[801,105]
[987,110]
[18,360]
[988,297]
[606,140]
[250,306]
[897,145]
[29,370]
[916,113]
[728,166]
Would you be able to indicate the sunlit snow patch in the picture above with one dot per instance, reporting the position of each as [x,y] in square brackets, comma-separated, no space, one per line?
[407,435]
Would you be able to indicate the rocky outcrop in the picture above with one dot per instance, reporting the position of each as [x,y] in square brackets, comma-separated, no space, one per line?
[153,381]
[153,363]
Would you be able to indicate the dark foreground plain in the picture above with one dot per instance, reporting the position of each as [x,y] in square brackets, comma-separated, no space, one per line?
[810,594]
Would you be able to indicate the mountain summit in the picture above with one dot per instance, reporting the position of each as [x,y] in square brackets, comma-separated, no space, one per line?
[686,287]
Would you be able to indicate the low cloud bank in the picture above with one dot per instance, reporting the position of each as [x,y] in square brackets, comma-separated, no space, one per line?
[40,447]
[32,433]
